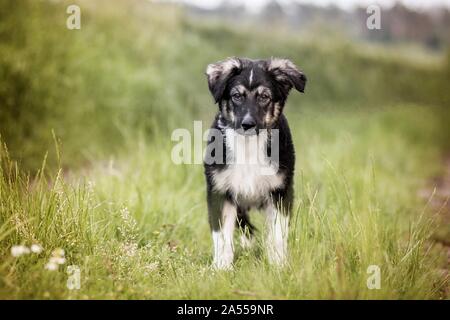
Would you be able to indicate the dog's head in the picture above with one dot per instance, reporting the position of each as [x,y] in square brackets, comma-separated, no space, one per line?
[251,93]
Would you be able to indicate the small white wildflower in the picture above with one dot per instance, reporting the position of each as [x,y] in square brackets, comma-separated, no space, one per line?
[51,266]
[57,260]
[17,251]
[35,248]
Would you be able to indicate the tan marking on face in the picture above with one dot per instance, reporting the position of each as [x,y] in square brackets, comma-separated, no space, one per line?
[262,89]
[271,117]
[227,111]
[239,88]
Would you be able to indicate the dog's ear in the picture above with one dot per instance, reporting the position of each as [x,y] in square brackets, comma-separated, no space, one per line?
[219,73]
[286,74]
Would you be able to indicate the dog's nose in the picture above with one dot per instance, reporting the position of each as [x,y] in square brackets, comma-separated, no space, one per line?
[248,123]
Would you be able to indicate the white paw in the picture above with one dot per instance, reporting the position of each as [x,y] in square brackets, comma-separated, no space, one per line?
[223,263]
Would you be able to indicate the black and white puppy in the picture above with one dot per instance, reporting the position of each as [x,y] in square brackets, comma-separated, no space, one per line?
[255,167]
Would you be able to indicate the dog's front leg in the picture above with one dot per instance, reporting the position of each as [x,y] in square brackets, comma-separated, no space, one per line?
[223,221]
[277,226]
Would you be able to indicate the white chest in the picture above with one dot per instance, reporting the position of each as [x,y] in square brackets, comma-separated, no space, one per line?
[250,174]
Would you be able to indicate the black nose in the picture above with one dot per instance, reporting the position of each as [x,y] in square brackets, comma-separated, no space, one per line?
[248,123]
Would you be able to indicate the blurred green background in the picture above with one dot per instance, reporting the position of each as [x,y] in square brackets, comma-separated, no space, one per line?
[138,66]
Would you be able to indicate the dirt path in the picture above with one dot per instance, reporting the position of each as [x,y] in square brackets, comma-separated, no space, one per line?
[437,192]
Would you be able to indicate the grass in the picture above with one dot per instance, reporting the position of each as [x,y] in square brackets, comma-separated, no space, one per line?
[138,228]
[368,136]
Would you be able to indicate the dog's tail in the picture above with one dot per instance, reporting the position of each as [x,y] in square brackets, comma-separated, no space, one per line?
[243,222]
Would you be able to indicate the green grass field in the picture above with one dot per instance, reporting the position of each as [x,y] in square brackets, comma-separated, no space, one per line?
[86,120]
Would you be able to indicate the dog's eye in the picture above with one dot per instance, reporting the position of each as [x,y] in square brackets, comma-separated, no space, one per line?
[237,97]
[264,97]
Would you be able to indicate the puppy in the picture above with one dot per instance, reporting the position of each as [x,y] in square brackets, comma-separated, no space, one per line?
[250,156]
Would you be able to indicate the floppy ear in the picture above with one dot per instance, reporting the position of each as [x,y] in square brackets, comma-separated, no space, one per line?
[286,74]
[219,73]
